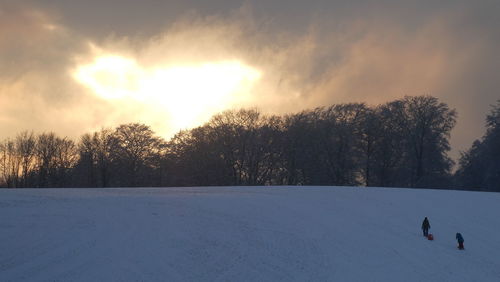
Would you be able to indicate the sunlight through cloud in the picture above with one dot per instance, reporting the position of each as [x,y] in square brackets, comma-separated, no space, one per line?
[186,95]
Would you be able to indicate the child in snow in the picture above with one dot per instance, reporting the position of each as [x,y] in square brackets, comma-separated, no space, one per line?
[426,226]
[460,240]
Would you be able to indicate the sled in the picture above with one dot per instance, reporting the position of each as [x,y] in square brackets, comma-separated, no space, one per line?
[430,237]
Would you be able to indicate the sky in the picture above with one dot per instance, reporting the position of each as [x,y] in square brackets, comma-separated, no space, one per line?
[74,67]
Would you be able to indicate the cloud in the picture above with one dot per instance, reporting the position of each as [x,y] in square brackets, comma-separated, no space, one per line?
[37,91]
[327,53]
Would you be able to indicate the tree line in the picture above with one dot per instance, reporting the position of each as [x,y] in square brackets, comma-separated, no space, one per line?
[402,143]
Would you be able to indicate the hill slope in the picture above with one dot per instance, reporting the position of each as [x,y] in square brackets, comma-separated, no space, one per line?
[247,234]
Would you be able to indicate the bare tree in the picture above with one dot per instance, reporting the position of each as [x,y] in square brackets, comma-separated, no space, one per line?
[94,162]
[388,162]
[341,133]
[55,158]
[415,141]
[401,143]
[9,164]
[135,147]
[45,152]
[247,144]
[26,148]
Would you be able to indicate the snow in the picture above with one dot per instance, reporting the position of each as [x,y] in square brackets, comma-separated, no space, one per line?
[247,234]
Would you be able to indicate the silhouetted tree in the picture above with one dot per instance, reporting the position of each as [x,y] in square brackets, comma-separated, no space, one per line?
[323,146]
[340,135]
[387,155]
[479,167]
[55,158]
[9,163]
[134,148]
[300,144]
[93,168]
[413,142]
[371,127]
[247,144]
[403,143]
[194,159]
[26,149]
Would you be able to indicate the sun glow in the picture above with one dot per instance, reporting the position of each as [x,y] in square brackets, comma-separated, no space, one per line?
[186,95]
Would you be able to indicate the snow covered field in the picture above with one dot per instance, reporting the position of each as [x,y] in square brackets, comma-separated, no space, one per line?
[247,234]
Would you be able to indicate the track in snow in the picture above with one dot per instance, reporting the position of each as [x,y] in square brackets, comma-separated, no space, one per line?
[247,234]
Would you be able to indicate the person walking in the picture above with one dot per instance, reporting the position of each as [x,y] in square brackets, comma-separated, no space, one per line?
[460,241]
[426,226]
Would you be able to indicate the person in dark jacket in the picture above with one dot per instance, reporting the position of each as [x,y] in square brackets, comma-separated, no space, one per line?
[460,240]
[426,226]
